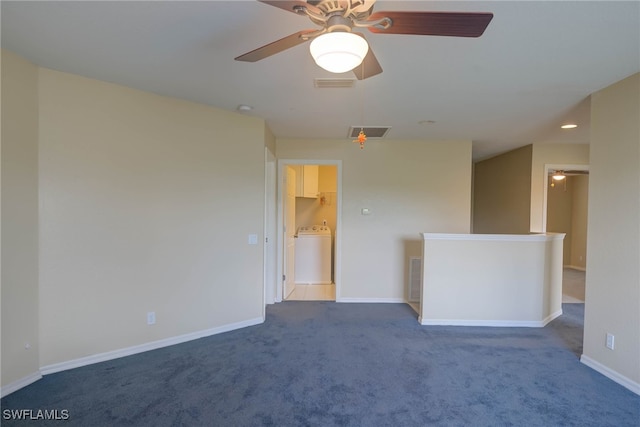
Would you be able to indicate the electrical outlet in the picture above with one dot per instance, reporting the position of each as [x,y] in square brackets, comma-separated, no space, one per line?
[151,318]
[610,341]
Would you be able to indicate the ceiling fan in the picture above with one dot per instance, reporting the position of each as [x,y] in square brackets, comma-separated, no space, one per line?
[559,175]
[337,48]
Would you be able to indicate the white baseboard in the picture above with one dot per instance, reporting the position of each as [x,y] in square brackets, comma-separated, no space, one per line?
[314,283]
[492,323]
[574,267]
[22,382]
[551,317]
[372,300]
[115,354]
[611,374]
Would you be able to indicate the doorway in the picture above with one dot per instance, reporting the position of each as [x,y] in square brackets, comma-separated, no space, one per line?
[270,226]
[309,224]
[566,211]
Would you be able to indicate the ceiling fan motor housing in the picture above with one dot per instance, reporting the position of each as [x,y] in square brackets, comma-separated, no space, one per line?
[337,23]
[354,10]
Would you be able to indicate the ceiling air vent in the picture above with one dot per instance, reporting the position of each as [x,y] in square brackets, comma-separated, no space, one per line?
[370,131]
[333,83]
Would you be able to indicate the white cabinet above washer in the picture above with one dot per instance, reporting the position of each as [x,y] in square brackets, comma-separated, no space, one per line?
[306,180]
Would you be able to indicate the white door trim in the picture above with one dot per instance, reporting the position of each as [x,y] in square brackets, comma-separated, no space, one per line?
[270,224]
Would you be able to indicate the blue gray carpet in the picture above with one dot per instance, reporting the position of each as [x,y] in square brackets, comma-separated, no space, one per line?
[328,364]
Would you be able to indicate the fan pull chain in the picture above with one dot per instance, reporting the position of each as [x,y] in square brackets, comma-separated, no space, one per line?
[362,137]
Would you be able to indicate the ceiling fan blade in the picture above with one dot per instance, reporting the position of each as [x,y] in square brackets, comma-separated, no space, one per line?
[274,47]
[576,172]
[454,24]
[291,6]
[369,67]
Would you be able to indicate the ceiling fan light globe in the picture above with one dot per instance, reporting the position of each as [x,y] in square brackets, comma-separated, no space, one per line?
[558,177]
[338,52]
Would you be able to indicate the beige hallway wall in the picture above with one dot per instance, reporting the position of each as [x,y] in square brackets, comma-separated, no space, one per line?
[579,216]
[501,193]
[613,248]
[567,213]
[560,213]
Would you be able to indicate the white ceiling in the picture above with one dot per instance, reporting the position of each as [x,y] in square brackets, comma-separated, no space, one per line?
[533,69]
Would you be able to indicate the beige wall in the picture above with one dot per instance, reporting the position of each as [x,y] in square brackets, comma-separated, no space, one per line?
[560,213]
[409,187]
[19,219]
[544,154]
[146,205]
[613,249]
[579,215]
[501,202]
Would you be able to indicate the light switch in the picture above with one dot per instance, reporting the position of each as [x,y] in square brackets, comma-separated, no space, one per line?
[253,239]
[365,211]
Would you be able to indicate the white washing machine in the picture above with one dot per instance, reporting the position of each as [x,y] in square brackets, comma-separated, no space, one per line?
[313,255]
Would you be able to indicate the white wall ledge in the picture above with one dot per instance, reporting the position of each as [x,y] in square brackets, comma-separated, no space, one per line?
[511,279]
[537,237]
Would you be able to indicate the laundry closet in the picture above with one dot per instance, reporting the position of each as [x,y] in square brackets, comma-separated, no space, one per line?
[315,223]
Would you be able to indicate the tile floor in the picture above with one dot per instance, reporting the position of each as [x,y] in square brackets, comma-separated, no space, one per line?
[573,285]
[313,293]
[573,290]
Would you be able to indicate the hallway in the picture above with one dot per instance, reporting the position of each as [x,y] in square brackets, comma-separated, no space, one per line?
[573,284]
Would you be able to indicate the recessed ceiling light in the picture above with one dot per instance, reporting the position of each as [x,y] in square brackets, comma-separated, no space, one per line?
[244,108]
[569,126]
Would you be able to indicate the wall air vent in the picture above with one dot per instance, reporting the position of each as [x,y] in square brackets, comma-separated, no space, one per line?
[333,83]
[370,131]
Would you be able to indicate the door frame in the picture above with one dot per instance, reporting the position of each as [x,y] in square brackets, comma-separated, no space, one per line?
[337,261]
[547,168]
[269,251]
